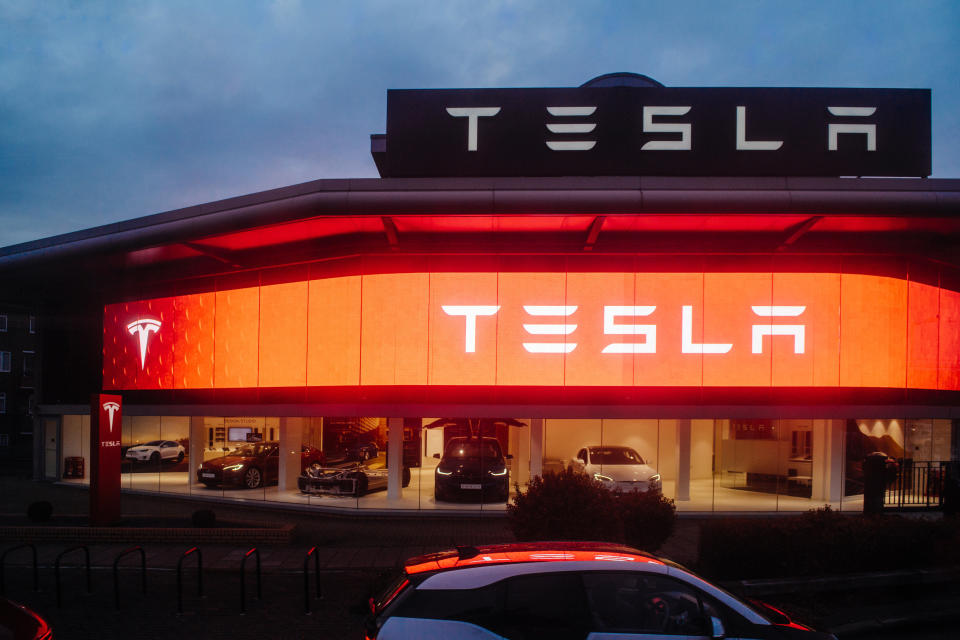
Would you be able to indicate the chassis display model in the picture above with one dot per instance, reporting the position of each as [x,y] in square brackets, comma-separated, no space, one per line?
[349,479]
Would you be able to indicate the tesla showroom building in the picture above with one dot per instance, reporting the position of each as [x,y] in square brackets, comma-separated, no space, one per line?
[693,280]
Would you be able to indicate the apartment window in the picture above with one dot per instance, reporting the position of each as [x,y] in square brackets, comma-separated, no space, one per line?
[28,363]
[4,361]
[33,324]
[3,322]
[3,402]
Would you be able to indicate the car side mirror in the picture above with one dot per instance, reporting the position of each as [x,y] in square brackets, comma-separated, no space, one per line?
[437,456]
[716,628]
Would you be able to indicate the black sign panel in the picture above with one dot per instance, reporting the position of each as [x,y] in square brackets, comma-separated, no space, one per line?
[658,131]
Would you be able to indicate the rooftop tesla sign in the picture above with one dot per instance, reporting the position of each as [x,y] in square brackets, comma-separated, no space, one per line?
[658,131]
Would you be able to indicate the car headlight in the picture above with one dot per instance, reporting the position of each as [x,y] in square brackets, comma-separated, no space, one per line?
[655,478]
[234,467]
[444,473]
[602,478]
[499,473]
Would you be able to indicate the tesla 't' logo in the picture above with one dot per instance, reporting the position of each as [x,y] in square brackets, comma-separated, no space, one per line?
[143,329]
[111,408]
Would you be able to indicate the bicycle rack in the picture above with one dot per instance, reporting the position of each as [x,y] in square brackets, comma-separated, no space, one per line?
[116,576]
[306,577]
[243,579]
[3,566]
[56,568]
[186,553]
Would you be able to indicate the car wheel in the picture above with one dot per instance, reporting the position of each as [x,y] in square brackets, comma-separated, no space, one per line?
[252,478]
[362,485]
[180,457]
[154,458]
[406,476]
[364,455]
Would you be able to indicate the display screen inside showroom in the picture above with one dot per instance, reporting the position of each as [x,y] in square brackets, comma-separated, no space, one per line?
[476,463]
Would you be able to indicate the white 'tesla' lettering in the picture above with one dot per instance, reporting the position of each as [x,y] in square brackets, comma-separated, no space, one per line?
[649,331]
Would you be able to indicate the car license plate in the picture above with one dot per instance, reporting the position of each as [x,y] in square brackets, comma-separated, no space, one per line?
[209,475]
[469,486]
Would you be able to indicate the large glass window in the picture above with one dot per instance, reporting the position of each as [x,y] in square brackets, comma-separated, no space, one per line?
[476,464]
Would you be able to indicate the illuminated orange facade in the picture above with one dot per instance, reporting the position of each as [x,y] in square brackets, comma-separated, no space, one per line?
[546,329]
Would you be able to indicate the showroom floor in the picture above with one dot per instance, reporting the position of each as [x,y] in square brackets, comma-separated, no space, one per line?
[706,495]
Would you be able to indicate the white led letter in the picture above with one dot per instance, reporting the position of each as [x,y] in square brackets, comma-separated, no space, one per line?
[571,127]
[752,145]
[470,312]
[683,128]
[610,327]
[796,330]
[550,329]
[471,114]
[835,129]
[686,337]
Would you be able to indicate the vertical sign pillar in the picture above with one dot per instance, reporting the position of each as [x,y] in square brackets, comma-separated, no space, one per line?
[105,425]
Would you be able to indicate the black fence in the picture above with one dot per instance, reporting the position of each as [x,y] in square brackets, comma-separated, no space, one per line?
[921,485]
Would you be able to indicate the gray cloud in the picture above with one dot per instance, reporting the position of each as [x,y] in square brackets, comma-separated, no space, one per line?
[110,111]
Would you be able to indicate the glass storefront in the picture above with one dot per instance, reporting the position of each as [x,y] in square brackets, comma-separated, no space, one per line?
[475,464]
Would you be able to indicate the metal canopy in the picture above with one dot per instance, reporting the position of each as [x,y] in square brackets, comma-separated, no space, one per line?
[335,218]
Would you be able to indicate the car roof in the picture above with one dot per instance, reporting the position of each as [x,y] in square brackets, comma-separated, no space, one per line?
[512,553]
[474,567]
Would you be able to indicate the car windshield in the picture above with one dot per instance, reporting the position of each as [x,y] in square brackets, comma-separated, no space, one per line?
[473,448]
[253,450]
[614,455]
[152,443]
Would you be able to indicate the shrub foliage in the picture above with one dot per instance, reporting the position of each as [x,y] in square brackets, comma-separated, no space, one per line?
[573,506]
[823,542]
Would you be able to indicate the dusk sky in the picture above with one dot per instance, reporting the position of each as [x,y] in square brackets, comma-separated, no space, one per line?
[116,110]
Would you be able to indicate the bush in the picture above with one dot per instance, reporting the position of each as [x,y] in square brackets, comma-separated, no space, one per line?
[573,506]
[823,542]
[565,506]
[39,511]
[648,518]
[204,518]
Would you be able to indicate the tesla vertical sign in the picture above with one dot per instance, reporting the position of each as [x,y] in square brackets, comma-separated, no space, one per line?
[658,131]
[612,329]
[105,426]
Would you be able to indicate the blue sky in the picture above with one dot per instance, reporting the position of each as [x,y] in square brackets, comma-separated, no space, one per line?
[115,110]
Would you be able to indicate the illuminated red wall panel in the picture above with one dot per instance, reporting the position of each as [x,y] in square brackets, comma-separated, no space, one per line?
[603,329]
[948,376]
[333,332]
[873,331]
[393,339]
[194,344]
[236,332]
[283,335]
[454,361]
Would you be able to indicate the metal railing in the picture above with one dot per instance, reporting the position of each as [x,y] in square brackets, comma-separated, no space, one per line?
[3,566]
[191,550]
[56,569]
[116,575]
[306,577]
[243,579]
[918,485]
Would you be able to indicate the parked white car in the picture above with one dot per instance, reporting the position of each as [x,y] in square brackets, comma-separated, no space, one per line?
[617,468]
[156,451]
[559,590]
